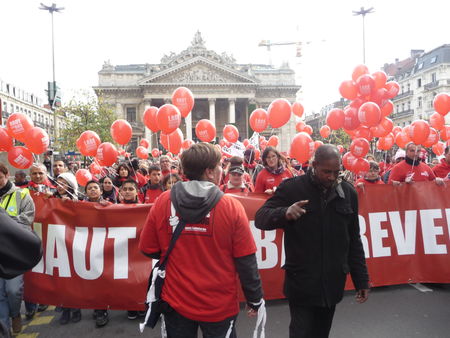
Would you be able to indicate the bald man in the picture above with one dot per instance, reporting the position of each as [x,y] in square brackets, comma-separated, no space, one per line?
[319,215]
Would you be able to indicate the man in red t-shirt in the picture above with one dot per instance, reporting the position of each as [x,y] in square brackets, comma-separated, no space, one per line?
[412,169]
[442,170]
[153,188]
[215,247]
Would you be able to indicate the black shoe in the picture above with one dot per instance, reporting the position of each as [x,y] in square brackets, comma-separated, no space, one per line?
[76,315]
[132,315]
[65,317]
[29,315]
[102,318]
[42,307]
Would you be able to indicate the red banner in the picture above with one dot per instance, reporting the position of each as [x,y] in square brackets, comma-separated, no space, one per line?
[91,257]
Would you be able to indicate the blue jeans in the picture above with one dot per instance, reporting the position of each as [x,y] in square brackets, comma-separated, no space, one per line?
[11,293]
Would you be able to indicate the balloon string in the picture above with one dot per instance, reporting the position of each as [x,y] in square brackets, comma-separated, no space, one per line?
[64,188]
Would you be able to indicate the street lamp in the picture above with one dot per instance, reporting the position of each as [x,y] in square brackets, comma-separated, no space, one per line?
[363,13]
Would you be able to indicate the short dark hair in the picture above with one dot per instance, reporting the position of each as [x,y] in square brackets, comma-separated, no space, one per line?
[374,165]
[93,182]
[198,158]
[21,173]
[266,153]
[447,148]
[60,159]
[236,161]
[326,152]
[153,167]
[133,182]
[168,177]
[4,169]
[126,166]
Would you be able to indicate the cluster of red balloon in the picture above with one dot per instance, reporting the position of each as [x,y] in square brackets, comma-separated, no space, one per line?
[20,127]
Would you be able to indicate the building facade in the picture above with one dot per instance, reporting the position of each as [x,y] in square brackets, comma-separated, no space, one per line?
[421,77]
[225,92]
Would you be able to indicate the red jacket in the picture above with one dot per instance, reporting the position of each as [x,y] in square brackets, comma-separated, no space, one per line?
[420,172]
[267,180]
[363,180]
[442,169]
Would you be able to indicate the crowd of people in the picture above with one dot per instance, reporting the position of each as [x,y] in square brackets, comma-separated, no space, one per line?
[146,181]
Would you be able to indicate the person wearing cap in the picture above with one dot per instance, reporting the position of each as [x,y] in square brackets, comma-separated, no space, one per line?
[235,181]
[274,172]
[371,177]
[412,169]
[442,169]
[237,161]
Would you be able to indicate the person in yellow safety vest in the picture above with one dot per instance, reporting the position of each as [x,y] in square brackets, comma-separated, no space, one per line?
[20,206]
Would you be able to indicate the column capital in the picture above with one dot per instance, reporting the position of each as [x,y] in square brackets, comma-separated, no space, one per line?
[212,100]
[147,102]
[231,99]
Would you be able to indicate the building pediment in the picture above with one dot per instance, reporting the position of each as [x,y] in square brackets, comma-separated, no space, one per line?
[198,70]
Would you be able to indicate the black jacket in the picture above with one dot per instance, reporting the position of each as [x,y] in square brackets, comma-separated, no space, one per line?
[323,245]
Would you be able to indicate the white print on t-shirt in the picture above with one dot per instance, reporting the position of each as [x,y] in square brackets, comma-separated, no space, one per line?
[424,173]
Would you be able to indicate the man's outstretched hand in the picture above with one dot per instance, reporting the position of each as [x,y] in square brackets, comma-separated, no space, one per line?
[295,211]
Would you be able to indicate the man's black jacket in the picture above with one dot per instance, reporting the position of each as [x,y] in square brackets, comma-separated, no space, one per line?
[323,245]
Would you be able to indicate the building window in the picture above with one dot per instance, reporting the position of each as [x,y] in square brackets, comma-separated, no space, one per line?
[409,87]
[34,116]
[409,105]
[433,59]
[419,83]
[17,109]
[398,108]
[403,89]
[403,107]
[433,77]
[419,102]
[420,66]
[131,114]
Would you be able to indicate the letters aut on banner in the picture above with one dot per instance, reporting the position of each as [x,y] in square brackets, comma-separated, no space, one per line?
[93,250]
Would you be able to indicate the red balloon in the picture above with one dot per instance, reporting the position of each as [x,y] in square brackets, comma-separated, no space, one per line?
[317,144]
[172,142]
[379,96]
[419,131]
[83,176]
[18,125]
[348,90]
[360,166]
[387,108]
[308,129]
[380,78]
[95,168]
[20,157]
[205,130]
[155,152]
[386,143]
[144,143]
[257,154]
[396,130]
[441,103]
[445,133]
[325,131]
[432,139]
[297,109]
[88,143]
[107,154]
[273,141]
[402,139]
[359,147]
[437,121]
[183,99]
[37,140]
[385,127]
[149,119]
[187,144]
[300,126]
[347,160]
[6,141]
[231,133]
[279,113]
[168,118]
[363,132]
[121,131]
[335,118]
[259,120]
[245,142]
[438,148]
[365,84]
[392,88]
[369,114]
[142,152]
[356,103]
[358,71]
[340,148]
[351,120]
[302,147]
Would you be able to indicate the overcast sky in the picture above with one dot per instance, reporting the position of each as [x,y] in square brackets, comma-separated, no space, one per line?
[89,32]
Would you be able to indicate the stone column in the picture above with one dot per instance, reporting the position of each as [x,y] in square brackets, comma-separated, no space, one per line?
[188,121]
[119,111]
[147,132]
[167,100]
[232,110]
[212,111]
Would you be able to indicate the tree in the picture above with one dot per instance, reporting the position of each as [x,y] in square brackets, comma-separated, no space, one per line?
[81,115]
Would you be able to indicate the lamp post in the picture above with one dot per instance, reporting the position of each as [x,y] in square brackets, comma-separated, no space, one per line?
[363,13]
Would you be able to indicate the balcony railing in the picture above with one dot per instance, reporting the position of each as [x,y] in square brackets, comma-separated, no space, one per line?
[403,95]
[431,85]
[402,114]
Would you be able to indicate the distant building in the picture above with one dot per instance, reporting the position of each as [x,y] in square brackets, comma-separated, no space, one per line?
[225,91]
[421,77]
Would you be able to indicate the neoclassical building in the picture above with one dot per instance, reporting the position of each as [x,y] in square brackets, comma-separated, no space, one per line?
[225,91]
